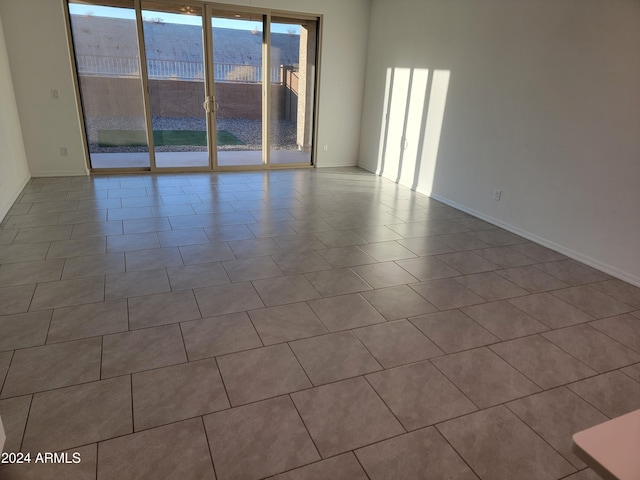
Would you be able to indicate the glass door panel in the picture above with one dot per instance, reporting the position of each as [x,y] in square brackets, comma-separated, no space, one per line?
[174,47]
[206,91]
[105,43]
[293,80]
[238,90]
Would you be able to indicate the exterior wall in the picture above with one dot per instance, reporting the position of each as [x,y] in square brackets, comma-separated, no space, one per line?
[111,96]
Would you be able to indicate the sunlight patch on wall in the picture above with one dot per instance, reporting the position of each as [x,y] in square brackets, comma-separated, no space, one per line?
[395,130]
[433,130]
[385,121]
[413,129]
[411,126]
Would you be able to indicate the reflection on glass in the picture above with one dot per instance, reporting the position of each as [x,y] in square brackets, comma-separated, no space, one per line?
[106,50]
[293,66]
[237,56]
[175,67]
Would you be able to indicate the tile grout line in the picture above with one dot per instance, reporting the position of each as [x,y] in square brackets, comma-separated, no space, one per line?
[224,387]
[295,407]
[206,436]
[500,341]
[435,426]
[26,422]
[478,408]
[406,431]
[133,423]
[505,404]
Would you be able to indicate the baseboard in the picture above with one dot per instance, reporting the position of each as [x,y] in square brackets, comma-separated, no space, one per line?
[70,173]
[4,209]
[587,260]
[380,174]
[368,169]
[336,165]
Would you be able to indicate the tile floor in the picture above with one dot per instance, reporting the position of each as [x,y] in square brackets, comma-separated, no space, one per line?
[299,324]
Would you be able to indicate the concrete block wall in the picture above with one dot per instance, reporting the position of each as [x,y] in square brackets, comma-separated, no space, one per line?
[122,97]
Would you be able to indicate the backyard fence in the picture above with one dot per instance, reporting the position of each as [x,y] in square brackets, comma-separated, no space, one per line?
[95,65]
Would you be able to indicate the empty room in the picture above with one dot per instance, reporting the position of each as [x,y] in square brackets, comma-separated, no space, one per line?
[364,239]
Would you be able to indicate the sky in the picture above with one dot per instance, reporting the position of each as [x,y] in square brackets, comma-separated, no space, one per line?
[112,12]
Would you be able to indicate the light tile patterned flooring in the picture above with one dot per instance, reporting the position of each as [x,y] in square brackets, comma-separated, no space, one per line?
[305,324]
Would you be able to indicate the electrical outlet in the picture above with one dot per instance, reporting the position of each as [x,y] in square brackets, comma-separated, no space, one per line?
[497,194]
[64,152]
[325,147]
[55,93]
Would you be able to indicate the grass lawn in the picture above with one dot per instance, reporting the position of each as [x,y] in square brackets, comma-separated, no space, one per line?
[138,138]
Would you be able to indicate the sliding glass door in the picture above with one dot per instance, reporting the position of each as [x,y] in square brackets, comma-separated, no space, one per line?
[238,88]
[174,47]
[108,70]
[293,48]
[167,85]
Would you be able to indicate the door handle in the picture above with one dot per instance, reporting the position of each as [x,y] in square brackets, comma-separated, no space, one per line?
[207,105]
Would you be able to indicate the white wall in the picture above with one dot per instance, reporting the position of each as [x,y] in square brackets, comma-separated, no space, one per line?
[38,51]
[14,173]
[37,45]
[542,102]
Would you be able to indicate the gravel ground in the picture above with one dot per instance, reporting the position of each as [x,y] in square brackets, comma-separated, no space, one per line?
[283,133]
